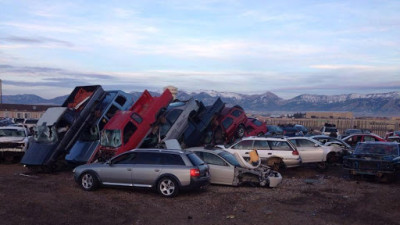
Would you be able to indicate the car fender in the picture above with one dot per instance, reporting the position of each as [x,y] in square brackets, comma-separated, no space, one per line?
[166,175]
[94,172]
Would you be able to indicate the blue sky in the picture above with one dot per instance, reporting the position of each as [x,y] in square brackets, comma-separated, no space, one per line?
[287,47]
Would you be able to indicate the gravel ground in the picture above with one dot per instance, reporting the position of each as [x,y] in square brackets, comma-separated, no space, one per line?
[304,197]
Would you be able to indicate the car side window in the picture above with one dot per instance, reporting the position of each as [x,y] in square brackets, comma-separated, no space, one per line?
[369,138]
[261,145]
[129,129]
[305,143]
[246,144]
[120,100]
[279,145]
[213,159]
[172,159]
[227,122]
[236,113]
[148,158]
[173,115]
[124,159]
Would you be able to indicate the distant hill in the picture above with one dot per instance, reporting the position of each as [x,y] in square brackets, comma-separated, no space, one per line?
[381,104]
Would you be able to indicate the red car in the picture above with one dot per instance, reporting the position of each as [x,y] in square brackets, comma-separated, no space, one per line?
[127,129]
[353,139]
[231,124]
[254,127]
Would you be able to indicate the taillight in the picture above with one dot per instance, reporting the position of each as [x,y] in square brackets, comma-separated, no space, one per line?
[194,172]
[295,152]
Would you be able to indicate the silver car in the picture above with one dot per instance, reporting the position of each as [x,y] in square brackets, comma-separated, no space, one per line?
[168,171]
[225,169]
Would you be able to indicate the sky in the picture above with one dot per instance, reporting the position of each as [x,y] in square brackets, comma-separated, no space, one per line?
[288,47]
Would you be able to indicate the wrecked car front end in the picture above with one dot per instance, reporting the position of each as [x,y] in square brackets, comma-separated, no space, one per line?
[374,158]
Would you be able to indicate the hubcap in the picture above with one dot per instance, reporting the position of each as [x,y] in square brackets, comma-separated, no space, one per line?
[240,132]
[87,181]
[167,187]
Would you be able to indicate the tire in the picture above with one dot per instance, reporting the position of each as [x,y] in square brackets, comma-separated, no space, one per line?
[89,181]
[240,131]
[332,158]
[322,166]
[168,187]
[274,163]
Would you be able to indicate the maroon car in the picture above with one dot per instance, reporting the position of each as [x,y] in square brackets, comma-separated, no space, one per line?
[353,139]
[255,127]
[231,124]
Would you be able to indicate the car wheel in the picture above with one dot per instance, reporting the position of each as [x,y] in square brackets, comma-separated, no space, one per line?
[322,166]
[240,131]
[331,158]
[168,187]
[89,181]
[274,163]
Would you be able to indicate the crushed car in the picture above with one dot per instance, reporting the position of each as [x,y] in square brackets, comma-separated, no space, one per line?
[255,127]
[229,169]
[198,131]
[231,125]
[13,142]
[89,139]
[354,139]
[127,130]
[59,128]
[378,159]
[313,151]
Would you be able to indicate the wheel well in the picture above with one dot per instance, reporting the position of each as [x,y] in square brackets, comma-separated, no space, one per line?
[169,176]
[91,172]
[273,160]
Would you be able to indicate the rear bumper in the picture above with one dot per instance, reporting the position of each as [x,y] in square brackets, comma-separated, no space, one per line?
[292,162]
[197,182]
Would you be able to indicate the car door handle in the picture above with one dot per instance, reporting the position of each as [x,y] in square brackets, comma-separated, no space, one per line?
[129,169]
[247,153]
[156,170]
[269,153]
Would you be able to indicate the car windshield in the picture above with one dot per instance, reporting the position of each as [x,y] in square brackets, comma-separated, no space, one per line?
[111,138]
[45,134]
[330,129]
[230,158]
[12,133]
[377,149]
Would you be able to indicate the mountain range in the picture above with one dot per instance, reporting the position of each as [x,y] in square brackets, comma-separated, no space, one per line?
[378,104]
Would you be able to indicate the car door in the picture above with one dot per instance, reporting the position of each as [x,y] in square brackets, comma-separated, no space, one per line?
[309,151]
[118,171]
[146,168]
[263,149]
[220,171]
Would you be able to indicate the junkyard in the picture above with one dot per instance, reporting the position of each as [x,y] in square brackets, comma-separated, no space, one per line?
[209,164]
[304,197]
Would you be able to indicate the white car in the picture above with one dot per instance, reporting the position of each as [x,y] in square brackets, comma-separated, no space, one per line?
[13,142]
[274,152]
[313,151]
[228,169]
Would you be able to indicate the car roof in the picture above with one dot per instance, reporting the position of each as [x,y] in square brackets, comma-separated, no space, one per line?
[379,143]
[214,150]
[157,150]
[264,138]
[12,128]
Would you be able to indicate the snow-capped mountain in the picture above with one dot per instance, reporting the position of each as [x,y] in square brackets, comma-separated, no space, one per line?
[377,104]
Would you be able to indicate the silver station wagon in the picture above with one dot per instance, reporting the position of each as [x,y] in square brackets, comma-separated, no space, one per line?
[167,171]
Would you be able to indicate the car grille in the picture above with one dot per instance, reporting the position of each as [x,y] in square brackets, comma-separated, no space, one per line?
[11,145]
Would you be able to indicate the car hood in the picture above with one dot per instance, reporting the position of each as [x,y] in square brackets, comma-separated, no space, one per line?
[374,157]
[11,139]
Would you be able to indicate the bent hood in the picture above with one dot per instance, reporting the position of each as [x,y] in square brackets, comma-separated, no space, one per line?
[11,139]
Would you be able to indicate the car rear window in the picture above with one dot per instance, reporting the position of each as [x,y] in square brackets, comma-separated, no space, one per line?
[194,159]
[257,123]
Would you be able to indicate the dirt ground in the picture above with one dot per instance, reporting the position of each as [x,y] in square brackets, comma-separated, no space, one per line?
[304,197]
